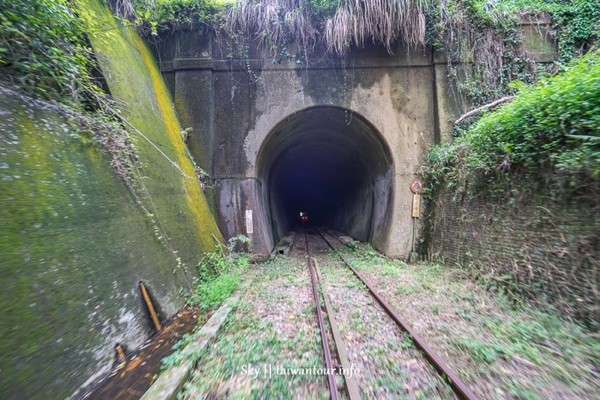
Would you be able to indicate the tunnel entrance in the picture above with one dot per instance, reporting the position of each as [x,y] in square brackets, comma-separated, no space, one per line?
[332,164]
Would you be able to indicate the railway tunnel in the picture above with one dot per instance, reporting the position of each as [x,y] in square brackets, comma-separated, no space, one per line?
[331,163]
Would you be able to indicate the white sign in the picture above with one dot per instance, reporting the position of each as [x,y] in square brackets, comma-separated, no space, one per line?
[249,224]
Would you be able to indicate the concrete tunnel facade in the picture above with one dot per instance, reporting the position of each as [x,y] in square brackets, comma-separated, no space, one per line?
[339,139]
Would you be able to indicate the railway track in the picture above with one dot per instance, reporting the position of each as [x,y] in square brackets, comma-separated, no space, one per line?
[336,351]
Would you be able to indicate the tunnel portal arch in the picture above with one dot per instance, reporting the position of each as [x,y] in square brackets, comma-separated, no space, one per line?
[332,163]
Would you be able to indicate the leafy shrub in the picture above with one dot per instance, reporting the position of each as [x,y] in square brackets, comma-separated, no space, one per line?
[550,128]
[169,13]
[577,21]
[325,8]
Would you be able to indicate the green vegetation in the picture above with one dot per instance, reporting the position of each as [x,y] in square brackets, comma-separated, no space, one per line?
[43,51]
[577,21]
[483,41]
[540,152]
[483,46]
[73,241]
[279,24]
[150,16]
[549,131]
[324,8]
[43,48]
[135,81]
[75,238]
[219,274]
[273,326]
[526,351]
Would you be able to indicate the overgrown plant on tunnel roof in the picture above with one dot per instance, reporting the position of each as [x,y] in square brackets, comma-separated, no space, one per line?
[481,39]
[339,23]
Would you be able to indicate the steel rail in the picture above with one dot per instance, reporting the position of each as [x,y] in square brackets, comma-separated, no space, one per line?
[340,345]
[324,339]
[459,387]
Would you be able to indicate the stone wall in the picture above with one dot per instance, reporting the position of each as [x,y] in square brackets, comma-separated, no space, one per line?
[547,250]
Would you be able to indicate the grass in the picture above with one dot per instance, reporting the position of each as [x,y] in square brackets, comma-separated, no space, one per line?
[523,351]
[268,329]
[214,289]
[211,294]
[249,343]
[219,274]
[480,351]
[500,350]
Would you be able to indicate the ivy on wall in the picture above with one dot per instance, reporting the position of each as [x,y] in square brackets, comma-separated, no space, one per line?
[483,43]
[150,16]
[577,22]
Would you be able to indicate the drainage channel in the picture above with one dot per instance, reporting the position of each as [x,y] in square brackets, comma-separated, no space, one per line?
[132,374]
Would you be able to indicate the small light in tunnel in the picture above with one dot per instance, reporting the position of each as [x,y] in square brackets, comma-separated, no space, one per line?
[303,217]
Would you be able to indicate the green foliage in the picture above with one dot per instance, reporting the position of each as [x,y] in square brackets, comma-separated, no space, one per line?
[324,8]
[211,294]
[220,273]
[551,128]
[527,339]
[214,264]
[484,48]
[483,41]
[479,351]
[481,38]
[168,13]
[577,22]
[43,51]
[579,27]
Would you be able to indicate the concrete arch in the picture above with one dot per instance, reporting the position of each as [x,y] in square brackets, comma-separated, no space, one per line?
[332,163]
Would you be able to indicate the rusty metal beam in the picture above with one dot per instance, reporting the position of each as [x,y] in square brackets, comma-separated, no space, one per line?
[340,345]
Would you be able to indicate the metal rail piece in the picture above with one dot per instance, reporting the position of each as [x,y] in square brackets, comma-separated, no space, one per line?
[340,345]
[459,387]
[324,339]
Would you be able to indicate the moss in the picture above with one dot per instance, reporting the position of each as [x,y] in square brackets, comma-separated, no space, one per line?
[194,196]
[75,239]
[174,193]
[74,244]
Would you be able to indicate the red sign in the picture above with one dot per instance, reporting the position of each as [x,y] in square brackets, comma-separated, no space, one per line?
[416,186]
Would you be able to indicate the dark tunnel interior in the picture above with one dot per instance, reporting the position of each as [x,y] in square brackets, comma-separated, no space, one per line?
[331,164]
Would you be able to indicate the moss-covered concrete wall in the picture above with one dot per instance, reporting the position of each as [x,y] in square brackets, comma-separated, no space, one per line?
[135,81]
[394,94]
[76,238]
